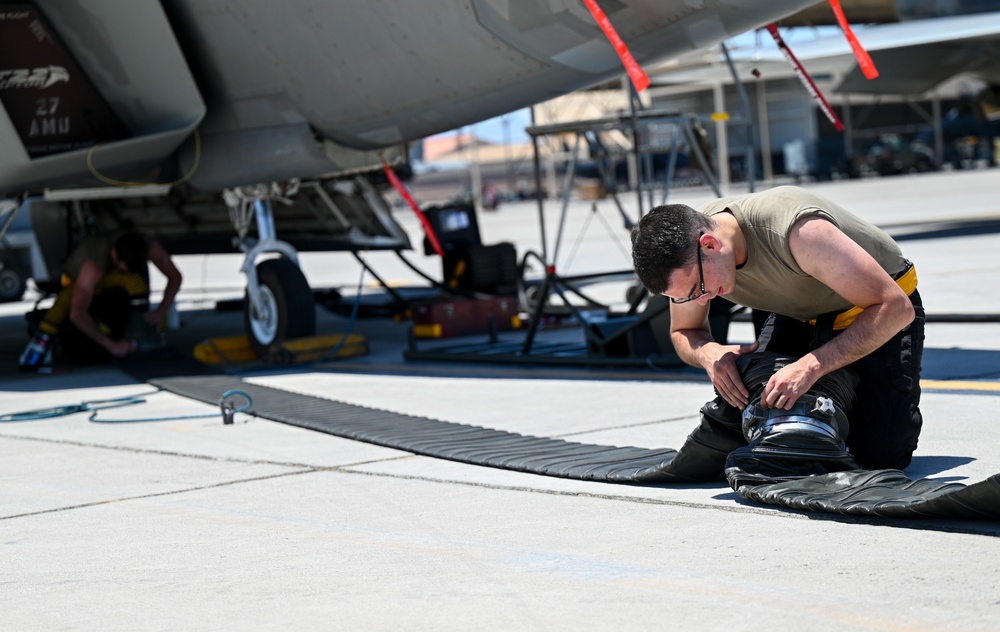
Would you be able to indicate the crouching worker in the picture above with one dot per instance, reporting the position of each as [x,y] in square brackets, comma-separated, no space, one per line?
[104,286]
[838,291]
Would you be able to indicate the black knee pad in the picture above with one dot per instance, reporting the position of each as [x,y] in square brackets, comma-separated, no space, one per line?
[785,444]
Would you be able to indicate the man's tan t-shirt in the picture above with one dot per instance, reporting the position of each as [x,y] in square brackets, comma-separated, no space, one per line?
[771,280]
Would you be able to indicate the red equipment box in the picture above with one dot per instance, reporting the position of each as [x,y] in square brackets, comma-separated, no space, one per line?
[463,317]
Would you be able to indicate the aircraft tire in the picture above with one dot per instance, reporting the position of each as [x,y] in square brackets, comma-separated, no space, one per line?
[289,307]
[12,285]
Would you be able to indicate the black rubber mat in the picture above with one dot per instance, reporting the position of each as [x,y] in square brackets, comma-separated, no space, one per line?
[431,437]
[885,493]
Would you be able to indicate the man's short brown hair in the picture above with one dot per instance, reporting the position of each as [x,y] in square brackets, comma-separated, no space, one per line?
[665,240]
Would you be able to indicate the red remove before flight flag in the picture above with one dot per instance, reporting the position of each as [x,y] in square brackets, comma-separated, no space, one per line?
[864,59]
[805,78]
[635,72]
[405,194]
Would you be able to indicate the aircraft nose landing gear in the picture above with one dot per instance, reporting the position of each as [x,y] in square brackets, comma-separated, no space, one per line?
[279,303]
[284,308]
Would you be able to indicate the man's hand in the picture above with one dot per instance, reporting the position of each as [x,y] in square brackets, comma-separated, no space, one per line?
[790,382]
[720,364]
[121,348]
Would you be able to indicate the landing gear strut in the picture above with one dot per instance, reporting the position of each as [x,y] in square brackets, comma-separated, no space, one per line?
[279,304]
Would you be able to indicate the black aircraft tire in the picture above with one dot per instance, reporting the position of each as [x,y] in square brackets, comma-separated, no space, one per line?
[12,285]
[289,306]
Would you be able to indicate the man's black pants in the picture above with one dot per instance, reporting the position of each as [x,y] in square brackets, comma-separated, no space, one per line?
[112,310]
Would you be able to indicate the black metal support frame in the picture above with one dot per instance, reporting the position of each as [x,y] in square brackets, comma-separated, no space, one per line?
[528,347]
[635,124]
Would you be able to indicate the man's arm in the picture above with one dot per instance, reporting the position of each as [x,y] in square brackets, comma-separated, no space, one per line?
[83,295]
[160,258]
[692,337]
[824,252]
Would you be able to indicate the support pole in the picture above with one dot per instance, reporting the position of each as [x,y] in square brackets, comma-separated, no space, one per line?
[751,167]
[474,170]
[668,179]
[538,188]
[567,192]
[937,126]
[721,136]
[636,142]
[765,132]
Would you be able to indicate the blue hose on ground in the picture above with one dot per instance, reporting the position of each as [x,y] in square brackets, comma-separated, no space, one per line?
[226,404]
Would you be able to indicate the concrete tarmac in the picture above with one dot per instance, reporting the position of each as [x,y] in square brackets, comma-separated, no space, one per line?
[186,523]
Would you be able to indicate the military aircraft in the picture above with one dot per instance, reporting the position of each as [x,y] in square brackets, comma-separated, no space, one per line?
[917,54]
[186,119]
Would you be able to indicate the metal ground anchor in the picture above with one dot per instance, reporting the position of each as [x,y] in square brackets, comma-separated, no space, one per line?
[228,407]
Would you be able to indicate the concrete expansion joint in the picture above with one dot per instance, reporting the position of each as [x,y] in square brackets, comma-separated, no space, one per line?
[174,492]
[183,455]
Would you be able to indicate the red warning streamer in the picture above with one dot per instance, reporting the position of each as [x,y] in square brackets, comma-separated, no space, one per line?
[405,194]
[635,72]
[864,59]
[805,78]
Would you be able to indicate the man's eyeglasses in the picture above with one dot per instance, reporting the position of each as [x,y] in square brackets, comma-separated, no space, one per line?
[701,277]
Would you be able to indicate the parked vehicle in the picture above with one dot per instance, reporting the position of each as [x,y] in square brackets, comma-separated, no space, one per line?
[892,154]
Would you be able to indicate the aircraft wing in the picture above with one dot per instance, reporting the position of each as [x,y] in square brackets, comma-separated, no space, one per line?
[912,57]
